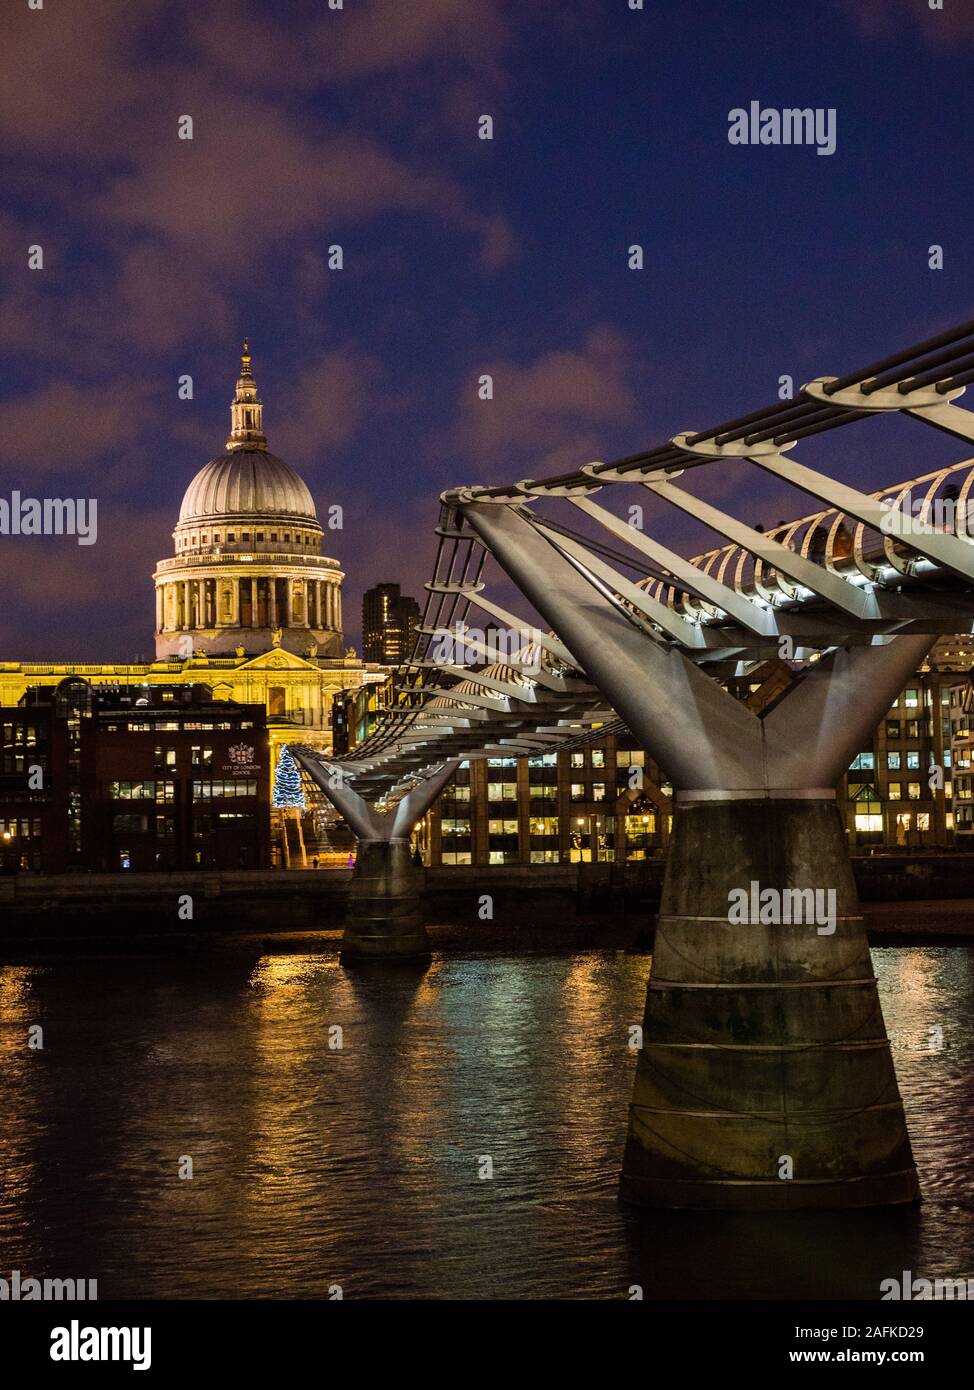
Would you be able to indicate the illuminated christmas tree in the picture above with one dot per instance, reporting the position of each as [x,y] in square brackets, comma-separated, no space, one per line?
[287,782]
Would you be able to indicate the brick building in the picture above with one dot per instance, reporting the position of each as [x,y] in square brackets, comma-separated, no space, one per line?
[133,778]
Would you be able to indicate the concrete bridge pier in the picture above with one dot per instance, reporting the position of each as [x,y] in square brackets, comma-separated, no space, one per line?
[765,1079]
[384,918]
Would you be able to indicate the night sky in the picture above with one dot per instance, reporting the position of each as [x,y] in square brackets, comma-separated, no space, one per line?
[462,256]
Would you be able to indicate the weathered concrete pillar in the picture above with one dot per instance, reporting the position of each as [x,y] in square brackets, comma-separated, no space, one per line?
[384,916]
[765,1078]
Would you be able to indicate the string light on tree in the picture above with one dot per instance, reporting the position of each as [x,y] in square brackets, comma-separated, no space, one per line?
[287,782]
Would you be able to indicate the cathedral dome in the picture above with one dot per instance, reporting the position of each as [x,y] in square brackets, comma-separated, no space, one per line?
[245,482]
[248,574]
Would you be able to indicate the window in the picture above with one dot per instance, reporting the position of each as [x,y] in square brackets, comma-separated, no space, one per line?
[598,791]
[133,791]
[923,820]
[543,760]
[206,791]
[911,697]
[543,825]
[454,825]
[913,791]
[502,791]
[578,759]
[863,762]
[455,856]
[547,792]
[502,827]
[913,728]
[502,762]
[894,791]
[578,791]
[893,761]
[913,759]
[892,728]
[947,757]
[598,757]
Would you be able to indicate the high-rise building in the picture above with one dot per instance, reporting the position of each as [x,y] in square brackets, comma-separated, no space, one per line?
[389,620]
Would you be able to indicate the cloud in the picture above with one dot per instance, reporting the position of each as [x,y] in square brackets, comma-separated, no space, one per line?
[80,585]
[546,415]
[327,402]
[368,40]
[163,299]
[253,178]
[70,74]
[64,428]
[938,27]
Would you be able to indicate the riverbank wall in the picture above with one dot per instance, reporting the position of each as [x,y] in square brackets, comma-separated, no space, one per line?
[587,904]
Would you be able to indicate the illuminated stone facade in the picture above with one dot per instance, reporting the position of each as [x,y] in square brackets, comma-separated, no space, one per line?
[248,605]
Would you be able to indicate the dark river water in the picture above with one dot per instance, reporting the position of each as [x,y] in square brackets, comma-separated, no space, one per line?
[359,1166]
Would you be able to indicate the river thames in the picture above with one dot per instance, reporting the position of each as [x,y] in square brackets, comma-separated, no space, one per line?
[449,1134]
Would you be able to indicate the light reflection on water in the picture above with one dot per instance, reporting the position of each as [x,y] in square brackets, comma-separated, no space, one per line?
[315,1166]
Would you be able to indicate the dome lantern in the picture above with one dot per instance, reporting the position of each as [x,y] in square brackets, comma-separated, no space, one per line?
[246,410]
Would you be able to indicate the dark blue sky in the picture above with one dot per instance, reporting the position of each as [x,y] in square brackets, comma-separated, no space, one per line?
[462,256]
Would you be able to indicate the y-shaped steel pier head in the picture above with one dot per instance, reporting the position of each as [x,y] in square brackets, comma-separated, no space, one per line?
[384,917]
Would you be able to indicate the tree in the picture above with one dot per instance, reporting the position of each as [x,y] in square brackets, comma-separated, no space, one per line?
[287,781]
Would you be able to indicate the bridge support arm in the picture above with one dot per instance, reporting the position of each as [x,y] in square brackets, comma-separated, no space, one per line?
[384,918]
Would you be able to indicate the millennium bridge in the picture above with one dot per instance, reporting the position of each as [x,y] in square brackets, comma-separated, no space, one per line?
[764,1047]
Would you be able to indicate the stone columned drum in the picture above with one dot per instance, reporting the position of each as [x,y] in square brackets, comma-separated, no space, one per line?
[248,573]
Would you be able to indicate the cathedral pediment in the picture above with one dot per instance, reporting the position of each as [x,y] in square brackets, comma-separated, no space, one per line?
[277,660]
